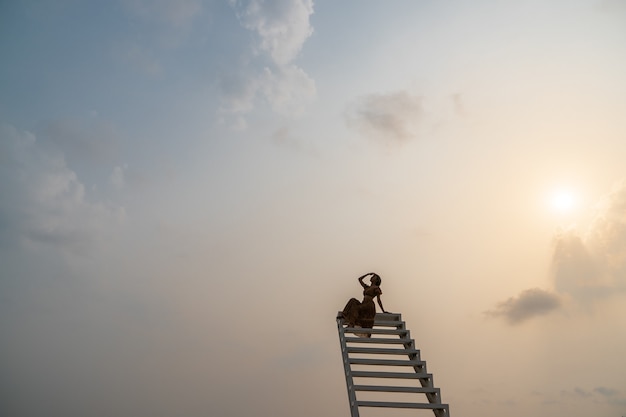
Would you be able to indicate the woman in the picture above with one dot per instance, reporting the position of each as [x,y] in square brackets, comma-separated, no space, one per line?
[362,313]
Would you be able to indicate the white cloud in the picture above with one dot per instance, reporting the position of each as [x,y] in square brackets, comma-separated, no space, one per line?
[282,25]
[117,178]
[281,28]
[43,201]
[287,88]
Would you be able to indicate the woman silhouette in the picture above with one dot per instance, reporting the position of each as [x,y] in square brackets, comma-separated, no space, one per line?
[362,313]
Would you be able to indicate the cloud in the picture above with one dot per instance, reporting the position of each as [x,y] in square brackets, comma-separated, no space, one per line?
[593,266]
[599,394]
[574,268]
[530,303]
[117,178]
[607,392]
[585,267]
[287,88]
[261,72]
[96,141]
[576,393]
[269,73]
[285,139]
[43,202]
[282,26]
[391,117]
[238,91]
[612,396]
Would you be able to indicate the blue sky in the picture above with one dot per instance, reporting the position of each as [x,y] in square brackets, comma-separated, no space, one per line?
[190,190]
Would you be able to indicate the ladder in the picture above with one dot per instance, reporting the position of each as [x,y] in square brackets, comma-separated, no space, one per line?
[368,351]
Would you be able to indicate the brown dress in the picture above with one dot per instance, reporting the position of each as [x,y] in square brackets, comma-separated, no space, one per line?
[361,313]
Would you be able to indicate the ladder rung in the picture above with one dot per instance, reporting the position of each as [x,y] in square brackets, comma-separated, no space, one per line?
[374,331]
[378,340]
[388,317]
[398,375]
[383,351]
[389,323]
[380,388]
[387,404]
[386,362]
[381,317]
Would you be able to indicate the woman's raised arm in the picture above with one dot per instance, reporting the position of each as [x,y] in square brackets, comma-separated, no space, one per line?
[364,285]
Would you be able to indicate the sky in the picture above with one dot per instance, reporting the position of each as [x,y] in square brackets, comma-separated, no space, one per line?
[190,189]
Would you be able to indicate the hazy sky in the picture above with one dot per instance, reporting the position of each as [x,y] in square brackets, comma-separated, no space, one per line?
[189,190]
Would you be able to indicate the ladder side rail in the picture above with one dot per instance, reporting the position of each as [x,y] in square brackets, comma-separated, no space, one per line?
[354,408]
[433,397]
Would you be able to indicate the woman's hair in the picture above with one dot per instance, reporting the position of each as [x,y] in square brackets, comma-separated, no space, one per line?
[376,280]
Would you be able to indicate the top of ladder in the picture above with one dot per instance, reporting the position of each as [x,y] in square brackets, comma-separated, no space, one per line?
[383,320]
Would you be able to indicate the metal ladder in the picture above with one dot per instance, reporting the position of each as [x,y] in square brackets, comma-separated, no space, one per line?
[365,352]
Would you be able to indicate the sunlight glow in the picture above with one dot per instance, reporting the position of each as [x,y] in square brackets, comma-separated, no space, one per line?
[563,201]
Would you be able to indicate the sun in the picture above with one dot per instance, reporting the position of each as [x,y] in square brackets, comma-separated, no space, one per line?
[563,201]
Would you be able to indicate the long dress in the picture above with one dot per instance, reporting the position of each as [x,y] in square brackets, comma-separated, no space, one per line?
[362,313]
